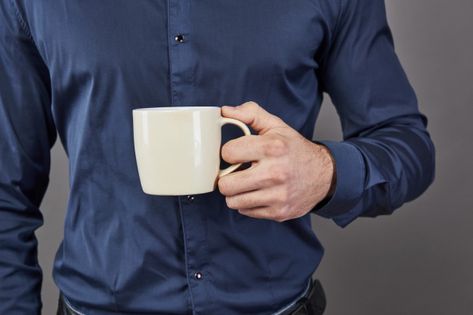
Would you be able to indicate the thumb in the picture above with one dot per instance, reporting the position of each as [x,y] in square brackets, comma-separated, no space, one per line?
[253,115]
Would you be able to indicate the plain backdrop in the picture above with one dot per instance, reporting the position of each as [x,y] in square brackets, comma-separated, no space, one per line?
[418,260]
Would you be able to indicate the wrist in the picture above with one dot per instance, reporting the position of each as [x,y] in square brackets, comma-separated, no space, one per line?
[328,162]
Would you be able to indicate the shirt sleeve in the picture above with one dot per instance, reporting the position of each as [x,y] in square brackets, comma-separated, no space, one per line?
[27,134]
[386,157]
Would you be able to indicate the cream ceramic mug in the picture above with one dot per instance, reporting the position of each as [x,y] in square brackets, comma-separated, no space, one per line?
[177,148]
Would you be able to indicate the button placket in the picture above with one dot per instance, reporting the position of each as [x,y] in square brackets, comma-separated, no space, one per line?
[194,227]
[181,58]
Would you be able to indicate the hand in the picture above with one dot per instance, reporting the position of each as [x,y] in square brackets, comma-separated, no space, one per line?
[289,174]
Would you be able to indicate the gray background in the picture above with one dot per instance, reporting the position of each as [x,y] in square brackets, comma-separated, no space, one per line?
[418,260]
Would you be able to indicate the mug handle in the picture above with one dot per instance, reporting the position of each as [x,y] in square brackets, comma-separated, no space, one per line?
[246,131]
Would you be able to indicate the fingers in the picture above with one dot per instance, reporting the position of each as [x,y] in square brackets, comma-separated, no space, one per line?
[243,149]
[254,148]
[253,115]
[258,176]
[241,181]
[252,199]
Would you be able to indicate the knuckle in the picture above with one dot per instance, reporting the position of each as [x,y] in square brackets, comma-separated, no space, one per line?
[252,105]
[271,174]
[275,147]
[279,175]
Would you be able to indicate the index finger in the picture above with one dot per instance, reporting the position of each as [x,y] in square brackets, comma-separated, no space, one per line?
[243,149]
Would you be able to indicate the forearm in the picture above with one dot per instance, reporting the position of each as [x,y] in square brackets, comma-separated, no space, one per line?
[397,165]
[400,164]
[27,133]
[20,274]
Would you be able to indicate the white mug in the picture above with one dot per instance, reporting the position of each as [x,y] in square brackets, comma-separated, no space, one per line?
[177,148]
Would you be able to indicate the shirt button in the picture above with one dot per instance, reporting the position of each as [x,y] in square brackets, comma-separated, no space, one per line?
[198,275]
[179,38]
[190,198]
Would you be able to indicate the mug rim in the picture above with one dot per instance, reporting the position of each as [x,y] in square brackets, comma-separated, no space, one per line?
[174,108]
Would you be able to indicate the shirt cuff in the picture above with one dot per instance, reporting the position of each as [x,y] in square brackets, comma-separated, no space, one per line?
[350,178]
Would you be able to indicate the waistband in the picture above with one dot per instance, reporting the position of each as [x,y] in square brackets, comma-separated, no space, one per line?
[291,305]
[283,310]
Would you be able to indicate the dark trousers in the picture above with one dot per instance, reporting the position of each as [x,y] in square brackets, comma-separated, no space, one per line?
[312,304]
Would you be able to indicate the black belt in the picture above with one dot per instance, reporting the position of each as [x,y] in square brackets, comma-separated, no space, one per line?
[63,308]
[311,304]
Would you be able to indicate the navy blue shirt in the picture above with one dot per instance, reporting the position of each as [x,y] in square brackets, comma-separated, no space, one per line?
[76,69]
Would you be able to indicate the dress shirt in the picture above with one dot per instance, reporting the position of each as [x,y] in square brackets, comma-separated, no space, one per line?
[76,69]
